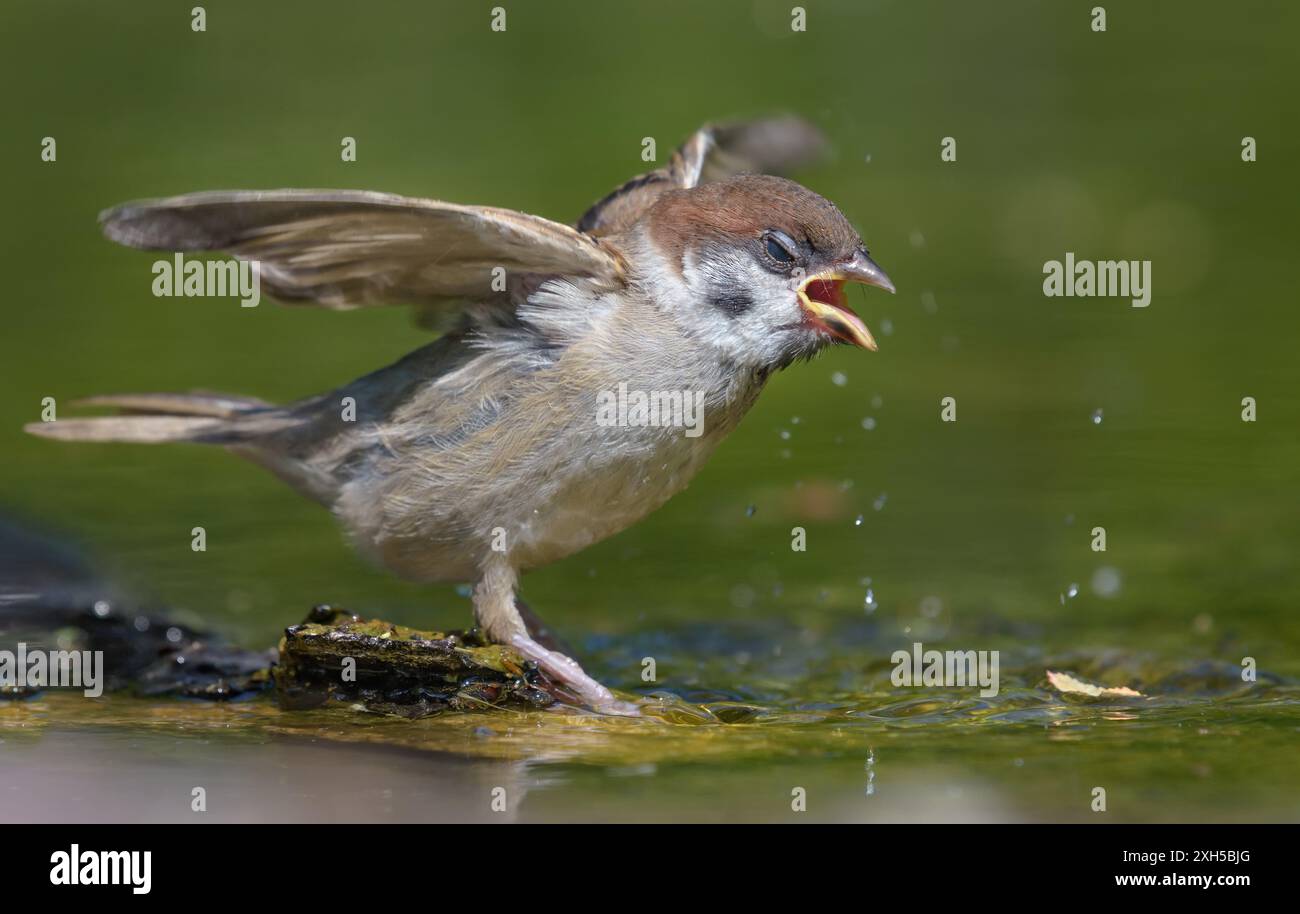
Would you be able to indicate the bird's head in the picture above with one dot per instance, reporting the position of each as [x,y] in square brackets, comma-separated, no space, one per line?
[756,266]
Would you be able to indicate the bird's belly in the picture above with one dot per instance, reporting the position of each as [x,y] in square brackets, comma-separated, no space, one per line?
[533,498]
[587,503]
[564,500]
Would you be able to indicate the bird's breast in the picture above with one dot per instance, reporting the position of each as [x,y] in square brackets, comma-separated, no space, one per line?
[599,492]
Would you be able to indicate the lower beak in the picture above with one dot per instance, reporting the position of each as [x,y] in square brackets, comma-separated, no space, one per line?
[823,298]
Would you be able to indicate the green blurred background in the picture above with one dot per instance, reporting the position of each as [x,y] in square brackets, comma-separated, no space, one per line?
[1124,144]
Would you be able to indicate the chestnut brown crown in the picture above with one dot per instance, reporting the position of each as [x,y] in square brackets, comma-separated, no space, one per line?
[740,209]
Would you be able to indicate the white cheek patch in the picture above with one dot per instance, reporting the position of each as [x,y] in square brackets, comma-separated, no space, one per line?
[761,327]
[740,306]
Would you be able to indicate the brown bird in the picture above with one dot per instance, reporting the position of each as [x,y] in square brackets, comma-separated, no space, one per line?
[587,374]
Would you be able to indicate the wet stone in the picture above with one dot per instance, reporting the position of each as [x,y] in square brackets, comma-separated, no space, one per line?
[144,654]
[391,669]
[336,656]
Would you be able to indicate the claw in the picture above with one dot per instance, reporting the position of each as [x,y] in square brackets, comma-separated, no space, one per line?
[566,673]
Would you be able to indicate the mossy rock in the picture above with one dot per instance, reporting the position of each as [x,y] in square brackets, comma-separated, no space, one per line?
[335,656]
[398,670]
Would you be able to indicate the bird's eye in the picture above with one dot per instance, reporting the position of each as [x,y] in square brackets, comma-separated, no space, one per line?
[778,251]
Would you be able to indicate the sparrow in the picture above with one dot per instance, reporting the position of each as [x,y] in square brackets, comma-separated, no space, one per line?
[482,455]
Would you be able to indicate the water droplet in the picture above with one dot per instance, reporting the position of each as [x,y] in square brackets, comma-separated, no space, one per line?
[928,302]
[877,401]
[102,609]
[917,239]
[879,503]
[887,327]
[742,596]
[869,603]
[794,420]
[839,379]
[751,510]
[857,521]
[785,434]
[1096,416]
[869,423]
[174,635]
[867,158]
[1106,581]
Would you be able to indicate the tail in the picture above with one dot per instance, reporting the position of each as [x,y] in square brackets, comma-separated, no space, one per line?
[158,418]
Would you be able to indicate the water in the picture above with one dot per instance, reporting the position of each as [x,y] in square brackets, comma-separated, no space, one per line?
[862,752]
[778,677]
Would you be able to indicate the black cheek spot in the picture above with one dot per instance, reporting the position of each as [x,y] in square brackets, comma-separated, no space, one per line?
[732,304]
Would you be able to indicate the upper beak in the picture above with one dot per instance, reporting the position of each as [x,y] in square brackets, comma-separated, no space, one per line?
[822,295]
[866,271]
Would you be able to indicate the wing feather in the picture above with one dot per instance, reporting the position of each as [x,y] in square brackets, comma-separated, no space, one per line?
[348,249]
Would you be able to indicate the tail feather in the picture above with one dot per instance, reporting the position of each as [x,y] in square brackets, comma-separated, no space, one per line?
[156,418]
[222,406]
[140,429]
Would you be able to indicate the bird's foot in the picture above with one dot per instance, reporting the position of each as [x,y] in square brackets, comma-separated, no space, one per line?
[539,631]
[567,674]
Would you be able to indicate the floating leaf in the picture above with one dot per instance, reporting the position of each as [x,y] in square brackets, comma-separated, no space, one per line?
[1064,682]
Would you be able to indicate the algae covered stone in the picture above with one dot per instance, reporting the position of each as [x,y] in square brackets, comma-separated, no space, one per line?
[337,656]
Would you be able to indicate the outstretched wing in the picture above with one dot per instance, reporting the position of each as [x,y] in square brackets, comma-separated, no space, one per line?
[348,249]
[714,152]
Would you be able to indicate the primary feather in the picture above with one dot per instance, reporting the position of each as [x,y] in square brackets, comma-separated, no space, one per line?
[348,249]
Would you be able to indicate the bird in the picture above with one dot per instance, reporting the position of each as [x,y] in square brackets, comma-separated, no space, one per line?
[484,454]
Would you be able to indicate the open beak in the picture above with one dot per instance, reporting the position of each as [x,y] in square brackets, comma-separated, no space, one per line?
[823,299]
